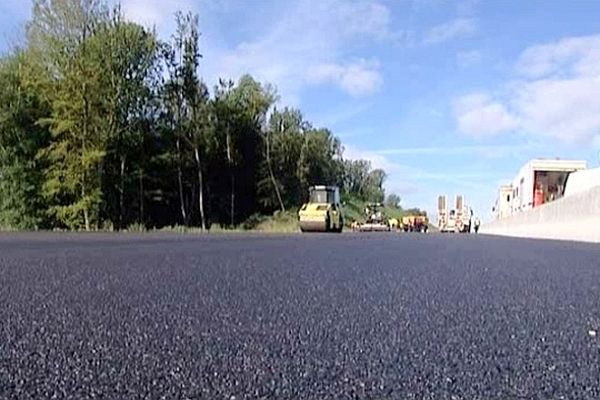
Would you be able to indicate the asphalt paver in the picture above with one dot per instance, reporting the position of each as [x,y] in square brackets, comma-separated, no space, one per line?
[323,316]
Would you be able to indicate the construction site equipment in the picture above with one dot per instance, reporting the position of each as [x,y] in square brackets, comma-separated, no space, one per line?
[375,219]
[394,223]
[463,216]
[415,223]
[323,211]
[444,215]
[457,219]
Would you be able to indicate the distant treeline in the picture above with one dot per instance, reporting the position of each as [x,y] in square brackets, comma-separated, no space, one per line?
[103,124]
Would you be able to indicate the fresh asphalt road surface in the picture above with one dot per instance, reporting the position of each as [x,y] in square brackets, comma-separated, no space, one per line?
[353,316]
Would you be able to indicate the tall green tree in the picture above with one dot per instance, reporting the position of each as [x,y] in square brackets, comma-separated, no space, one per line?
[284,137]
[131,74]
[393,201]
[363,182]
[198,113]
[227,114]
[240,112]
[174,99]
[320,159]
[21,138]
[375,181]
[73,179]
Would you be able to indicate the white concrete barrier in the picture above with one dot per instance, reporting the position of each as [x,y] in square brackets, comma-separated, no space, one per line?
[575,217]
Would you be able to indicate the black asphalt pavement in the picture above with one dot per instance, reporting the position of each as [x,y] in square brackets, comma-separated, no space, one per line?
[324,316]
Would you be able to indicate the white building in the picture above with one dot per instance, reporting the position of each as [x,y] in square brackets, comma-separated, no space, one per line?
[548,176]
[503,207]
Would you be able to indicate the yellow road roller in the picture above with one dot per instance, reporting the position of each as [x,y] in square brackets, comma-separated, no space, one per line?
[323,212]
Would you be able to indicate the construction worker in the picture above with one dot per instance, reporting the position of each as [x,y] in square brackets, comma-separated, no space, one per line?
[477,223]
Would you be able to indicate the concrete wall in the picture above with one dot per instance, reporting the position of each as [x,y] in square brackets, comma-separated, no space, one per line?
[575,217]
[581,181]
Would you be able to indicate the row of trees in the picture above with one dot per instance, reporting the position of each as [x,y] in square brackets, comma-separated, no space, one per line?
[103,124]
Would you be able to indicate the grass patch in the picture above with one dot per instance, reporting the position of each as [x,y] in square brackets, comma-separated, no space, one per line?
[179,229]
[280,222]
[136,227]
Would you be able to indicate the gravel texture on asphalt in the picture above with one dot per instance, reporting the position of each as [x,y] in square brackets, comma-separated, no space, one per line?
[324,316]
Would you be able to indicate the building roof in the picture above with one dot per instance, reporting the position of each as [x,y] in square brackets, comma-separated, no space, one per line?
[556,164]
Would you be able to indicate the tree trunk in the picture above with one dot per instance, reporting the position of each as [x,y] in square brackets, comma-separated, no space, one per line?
[122,192]
[180,182]
[275,186]
[141,179]
[231,172]
[232,199]
[86,214]
[200,190]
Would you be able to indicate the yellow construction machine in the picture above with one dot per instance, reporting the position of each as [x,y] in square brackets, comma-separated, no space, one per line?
[375,221]
[415,223]
[323,212]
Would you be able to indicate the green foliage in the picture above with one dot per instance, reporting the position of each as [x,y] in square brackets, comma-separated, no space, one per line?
[279,185]
[136,227]
[240,114]
[392,201]
[129,79]
[363,182]
[21,206]
[104,126]
[16,192]
[278,222]
[65,31]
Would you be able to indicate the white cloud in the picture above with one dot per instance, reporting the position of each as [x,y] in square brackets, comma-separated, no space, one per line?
[567,109]
[356,78]
[143,12]
[377,160]
[468,58]
[570,56]
[479,115]
[558,95]
[155,13]
[307,45]
[459,27]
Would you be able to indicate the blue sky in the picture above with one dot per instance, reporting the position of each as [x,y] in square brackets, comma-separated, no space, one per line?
[448,97]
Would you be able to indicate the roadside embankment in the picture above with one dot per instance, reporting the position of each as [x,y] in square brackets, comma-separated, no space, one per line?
[575,217]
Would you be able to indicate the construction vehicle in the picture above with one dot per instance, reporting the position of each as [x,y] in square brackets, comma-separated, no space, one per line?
[323,211]
[415,223]
[394,224]
[463,216]
[443,215]
[457,219]
[375,219]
